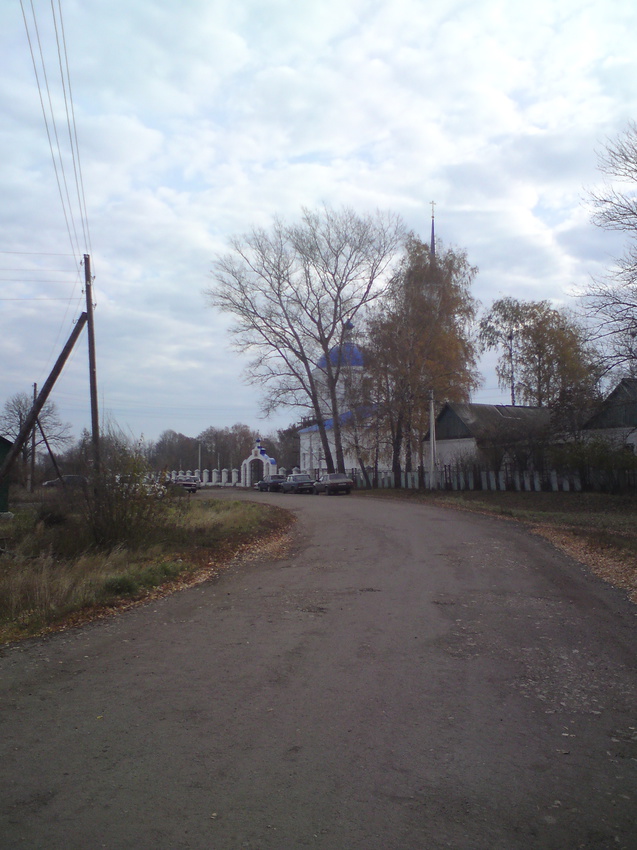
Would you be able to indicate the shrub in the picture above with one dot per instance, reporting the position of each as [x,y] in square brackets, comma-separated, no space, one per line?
[124,585]
[123,506]
[600,463]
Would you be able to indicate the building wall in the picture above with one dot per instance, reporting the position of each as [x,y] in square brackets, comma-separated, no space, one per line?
[617,436]
[311,452]
[452,452]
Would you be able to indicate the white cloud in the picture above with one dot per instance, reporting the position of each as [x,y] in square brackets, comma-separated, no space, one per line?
[200,119]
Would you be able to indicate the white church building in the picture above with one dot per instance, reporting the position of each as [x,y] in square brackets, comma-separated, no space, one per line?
[312,458]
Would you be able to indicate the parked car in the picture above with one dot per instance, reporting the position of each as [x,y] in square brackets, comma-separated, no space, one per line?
[67,481]
[271,484]
[333,483]
[300,482]
[187,482]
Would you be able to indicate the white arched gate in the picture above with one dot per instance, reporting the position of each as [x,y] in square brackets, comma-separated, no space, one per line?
[265,465]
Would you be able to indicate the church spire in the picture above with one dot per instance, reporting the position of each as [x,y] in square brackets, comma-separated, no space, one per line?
[432,244]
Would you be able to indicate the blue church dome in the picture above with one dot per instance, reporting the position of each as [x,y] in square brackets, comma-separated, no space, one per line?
[347,354]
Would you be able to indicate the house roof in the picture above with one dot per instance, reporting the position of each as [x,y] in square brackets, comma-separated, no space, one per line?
[459,420]
[619,408]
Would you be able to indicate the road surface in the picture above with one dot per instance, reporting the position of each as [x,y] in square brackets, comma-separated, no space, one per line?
[407,678]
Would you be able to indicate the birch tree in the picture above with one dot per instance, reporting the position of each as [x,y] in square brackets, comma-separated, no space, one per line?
[546,358]
[421,341]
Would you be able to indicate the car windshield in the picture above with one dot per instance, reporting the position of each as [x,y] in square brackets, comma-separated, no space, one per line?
[337,476]
[301,478]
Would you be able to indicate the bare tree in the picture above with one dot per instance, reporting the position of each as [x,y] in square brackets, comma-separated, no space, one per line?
[173,450]
[613,299]
[293,291]
[16,409]
[227,447]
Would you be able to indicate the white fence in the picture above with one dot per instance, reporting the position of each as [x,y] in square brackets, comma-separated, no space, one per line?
[210,477]
[454,479]
[451,478]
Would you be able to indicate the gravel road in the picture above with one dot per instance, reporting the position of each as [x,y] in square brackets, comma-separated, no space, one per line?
[406,678]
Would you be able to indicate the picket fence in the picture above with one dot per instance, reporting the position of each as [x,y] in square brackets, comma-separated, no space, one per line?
[452,478]
[448,478]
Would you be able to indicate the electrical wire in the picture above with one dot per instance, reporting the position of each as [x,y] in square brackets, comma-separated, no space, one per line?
[78,174]
[73,212]
[71,230]
[66,298]
[51,125]
[28,280]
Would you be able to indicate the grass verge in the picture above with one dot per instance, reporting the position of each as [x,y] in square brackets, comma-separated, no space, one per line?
[597,529]
[43,588]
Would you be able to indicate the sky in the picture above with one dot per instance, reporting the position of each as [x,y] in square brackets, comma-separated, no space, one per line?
[195,120]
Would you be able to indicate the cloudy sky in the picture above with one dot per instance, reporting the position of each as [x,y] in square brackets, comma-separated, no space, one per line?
[197,119]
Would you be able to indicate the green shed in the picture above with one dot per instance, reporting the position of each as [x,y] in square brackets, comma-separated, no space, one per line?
[5,448]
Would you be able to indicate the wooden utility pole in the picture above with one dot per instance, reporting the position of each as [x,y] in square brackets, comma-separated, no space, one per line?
[32,472]
[95,423]
[433,483]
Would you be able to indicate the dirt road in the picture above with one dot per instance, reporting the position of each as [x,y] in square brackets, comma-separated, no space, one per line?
[408,678]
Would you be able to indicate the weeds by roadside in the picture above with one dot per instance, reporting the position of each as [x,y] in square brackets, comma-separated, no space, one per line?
[52,566]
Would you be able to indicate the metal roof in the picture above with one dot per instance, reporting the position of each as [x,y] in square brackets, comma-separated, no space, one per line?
[465,419]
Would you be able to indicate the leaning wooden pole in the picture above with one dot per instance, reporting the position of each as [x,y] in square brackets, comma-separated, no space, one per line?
[38,404]
[50,451]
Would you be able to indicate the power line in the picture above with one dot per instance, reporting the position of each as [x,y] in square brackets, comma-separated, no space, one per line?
[13,269]
[37,298]
[28,280]
[80,184]
[51,125]
[75,248]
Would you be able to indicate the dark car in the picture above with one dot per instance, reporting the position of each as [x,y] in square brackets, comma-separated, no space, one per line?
[333,483]
[271,484]
[300,482]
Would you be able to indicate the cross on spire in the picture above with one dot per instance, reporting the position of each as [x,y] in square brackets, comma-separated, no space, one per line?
[432,244]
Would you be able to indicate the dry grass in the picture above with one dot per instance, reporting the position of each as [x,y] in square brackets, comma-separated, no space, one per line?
[45,586]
